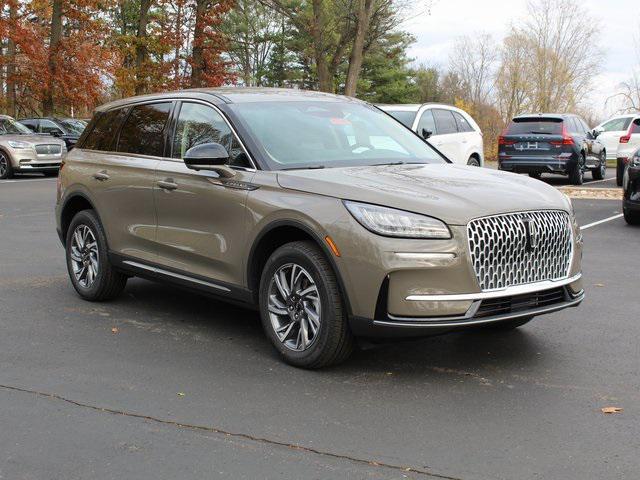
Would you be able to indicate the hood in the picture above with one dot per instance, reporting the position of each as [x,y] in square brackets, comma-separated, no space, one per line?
[455,194]
[33,139]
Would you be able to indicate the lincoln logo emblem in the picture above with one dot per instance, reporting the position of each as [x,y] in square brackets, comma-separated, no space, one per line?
[531,232]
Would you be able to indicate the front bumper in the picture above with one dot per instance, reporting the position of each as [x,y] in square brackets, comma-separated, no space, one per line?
[26,161]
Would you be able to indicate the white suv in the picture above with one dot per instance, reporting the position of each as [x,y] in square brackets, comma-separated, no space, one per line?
[449,129]
[627,142]
[609,133]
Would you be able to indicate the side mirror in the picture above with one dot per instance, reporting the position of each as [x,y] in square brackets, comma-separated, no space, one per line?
[209,156]
[595,132]
[426,133]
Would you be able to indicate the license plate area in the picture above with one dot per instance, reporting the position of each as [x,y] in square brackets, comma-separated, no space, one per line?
[532,146]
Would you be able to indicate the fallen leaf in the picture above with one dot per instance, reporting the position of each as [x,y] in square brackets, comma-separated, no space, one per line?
[180,394]
[611,410]
[598,284]
[115,330]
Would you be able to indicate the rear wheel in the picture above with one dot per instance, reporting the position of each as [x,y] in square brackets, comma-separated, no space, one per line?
[619,172]
[631,217]
[473,162]
[302,309]
[6,170]
[88,264]
[599,172]
[576,174]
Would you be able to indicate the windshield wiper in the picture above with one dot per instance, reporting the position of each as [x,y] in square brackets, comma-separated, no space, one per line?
[310,167]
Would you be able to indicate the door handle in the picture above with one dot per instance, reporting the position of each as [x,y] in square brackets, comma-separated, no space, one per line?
[167,184]
[101,176]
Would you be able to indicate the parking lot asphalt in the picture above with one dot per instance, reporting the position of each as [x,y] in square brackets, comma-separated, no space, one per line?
[163,383]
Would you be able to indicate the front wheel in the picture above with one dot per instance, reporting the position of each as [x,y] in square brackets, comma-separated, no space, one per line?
[600,172]
[473,162]
[619,172]
[302,309]
[88,264]
[6,170]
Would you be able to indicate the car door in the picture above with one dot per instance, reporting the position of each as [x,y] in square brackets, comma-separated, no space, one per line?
[610,133]
[123,179]
[446,140]
[201,216]
[467,137]
[594,145]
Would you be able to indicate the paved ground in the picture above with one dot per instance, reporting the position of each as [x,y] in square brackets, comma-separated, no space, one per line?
[189,388]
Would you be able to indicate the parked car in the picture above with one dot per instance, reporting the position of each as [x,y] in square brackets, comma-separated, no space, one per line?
[330,217]
[68,129]
[609,133]
[21,151]
[551,143]
[631,189]
[449,129]
[629,142]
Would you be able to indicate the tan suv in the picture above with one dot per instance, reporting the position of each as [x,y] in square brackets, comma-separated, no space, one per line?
[332,218]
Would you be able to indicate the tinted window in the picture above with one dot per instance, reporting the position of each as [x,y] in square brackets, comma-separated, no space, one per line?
[47,126]
[462,123]
[198,124]
[535,126]
[617,124]
[102,136]
[427,122]
[445,123]
[403,116]
[31,124]
[142,131]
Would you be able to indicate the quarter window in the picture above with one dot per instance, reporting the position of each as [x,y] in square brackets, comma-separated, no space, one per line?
[142,132]
[198,124]
[427,123]
[102,135]
[445,123]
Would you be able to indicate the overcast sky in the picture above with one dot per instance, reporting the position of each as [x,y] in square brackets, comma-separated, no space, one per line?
[619,22]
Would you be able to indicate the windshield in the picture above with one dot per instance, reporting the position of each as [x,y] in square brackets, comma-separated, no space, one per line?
[10,126]
[73,126]
[317,134]
[535,126]
[403,116]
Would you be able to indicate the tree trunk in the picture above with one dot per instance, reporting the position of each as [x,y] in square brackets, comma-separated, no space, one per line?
[11,65]
[52,66]
[141,47]
[365,10]
[325,83]
[197,55]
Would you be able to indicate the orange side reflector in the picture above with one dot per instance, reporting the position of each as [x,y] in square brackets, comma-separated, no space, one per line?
[332,245]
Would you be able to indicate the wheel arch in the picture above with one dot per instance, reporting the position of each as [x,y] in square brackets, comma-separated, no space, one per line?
[73,204]
[272,237]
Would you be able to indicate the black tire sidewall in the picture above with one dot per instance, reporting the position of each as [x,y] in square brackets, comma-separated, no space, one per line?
[291,254]
[9,172]
[90,219]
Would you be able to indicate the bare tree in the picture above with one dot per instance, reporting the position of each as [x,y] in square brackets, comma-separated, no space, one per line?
[473,60]
[512,79]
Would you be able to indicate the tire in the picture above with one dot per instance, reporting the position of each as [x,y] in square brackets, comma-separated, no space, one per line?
[600,172]
[332,341]
[576,174]
[507,325]
[107,283]
[619,172]
[6,169]
[631,217]
[473,162]
[536,175]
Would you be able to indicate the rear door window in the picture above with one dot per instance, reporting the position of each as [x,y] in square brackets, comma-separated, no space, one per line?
[102,136]
[535,126]
[445,122]
[462,123]
[427,123]
[143,131]
[31,124]
[617,124]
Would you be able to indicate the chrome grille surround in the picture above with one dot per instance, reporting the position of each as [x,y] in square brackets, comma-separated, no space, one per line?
[49,149]
[501,250]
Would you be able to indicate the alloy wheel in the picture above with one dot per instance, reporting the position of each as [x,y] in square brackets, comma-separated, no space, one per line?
[4,166]
[294,307]
[84,256]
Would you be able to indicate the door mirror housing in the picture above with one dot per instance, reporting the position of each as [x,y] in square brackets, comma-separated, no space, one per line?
[595,132]
[426,133]
[209,156]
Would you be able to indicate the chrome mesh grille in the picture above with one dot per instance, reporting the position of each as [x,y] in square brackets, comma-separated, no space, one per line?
[50,149]
[505,254]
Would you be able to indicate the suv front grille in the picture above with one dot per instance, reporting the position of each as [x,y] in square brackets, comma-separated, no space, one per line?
[520,248]
[51,149]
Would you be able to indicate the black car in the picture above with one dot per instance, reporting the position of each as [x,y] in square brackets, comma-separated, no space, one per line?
[67,129]
[552,143]
[631,187]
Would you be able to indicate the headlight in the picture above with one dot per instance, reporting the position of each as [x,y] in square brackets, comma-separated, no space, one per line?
[397,223]
[18,145]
